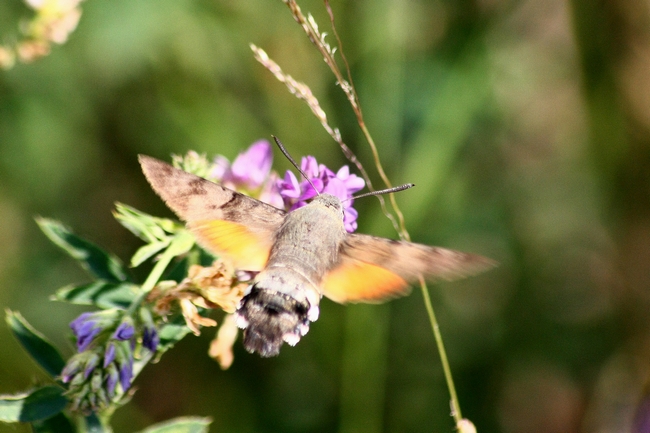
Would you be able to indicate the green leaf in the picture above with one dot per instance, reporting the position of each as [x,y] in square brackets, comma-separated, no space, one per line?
[40,404]
[147,251]
[94,259]
[171,333]
[143,225]
[182,242]
[100,293]
[59,423]
[187,424]
[35,343]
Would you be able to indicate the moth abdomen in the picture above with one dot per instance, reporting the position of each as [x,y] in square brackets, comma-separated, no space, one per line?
[270,319]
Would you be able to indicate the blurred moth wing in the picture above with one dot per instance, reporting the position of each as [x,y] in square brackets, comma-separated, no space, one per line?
[224,221]
[300,256]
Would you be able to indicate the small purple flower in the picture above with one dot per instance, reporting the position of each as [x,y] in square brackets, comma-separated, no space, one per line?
[126,374]
[76,324]
[341,184]
[249,170]
[270,193]
[252,167]
[250,173]
[85,329]
[112,377]
[124,332]
[150,338]
[109,354]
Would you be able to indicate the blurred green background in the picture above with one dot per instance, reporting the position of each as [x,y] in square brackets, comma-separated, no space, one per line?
[524,124]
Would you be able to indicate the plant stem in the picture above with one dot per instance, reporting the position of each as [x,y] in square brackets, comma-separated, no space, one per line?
[181,243]
[455,405]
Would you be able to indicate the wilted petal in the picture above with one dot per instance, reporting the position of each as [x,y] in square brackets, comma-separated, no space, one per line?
[221,346]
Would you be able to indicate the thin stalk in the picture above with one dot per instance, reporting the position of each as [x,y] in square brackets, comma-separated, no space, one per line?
[455,405]
[356,106]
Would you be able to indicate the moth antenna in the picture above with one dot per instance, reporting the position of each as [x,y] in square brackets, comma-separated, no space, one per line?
[383,191]
[286,154]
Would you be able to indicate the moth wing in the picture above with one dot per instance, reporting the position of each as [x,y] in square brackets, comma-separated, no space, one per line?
[224,221]
[373,269]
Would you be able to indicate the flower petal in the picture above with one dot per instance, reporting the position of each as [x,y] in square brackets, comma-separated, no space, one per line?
[124,332]
[252,167]
[109,354]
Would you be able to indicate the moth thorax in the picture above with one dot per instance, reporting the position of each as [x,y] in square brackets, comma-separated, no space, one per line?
[270,319]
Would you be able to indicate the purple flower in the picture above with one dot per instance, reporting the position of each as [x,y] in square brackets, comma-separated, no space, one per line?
[85,327]
[249,170]
[109,354]
[106,341]
[270,193]
[124,332]
[126,374]
[341,184]
[250,173]
[150,338]
[79,321]
[112,377]
[252,167]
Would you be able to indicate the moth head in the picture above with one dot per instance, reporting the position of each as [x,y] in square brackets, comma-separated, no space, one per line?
[331,202]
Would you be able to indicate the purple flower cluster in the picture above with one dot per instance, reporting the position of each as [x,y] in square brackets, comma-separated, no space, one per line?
[105,357]
[341,184]
[251,173]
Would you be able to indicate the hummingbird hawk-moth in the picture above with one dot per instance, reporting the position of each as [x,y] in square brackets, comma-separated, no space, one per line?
[300,256]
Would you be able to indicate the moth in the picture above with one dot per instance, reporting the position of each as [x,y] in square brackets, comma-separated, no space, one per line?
[301,256]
